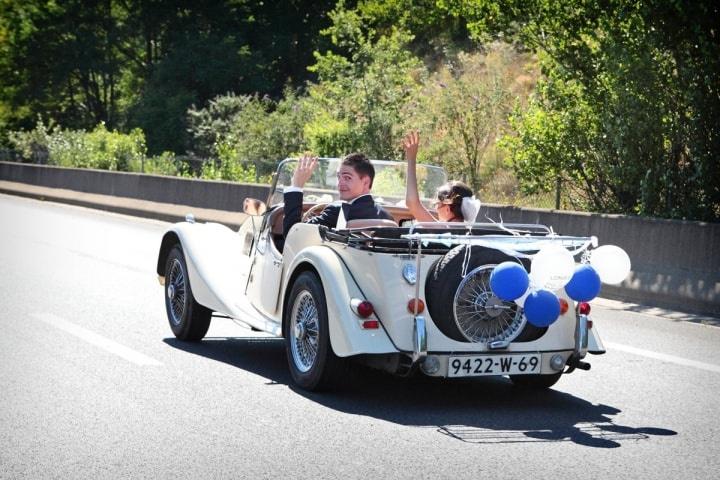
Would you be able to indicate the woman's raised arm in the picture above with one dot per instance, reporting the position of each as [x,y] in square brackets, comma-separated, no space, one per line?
[410,145]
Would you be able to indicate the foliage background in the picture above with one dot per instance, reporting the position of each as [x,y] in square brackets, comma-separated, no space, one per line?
[598,105]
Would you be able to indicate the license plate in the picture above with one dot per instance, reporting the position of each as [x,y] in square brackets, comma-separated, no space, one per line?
[473,366]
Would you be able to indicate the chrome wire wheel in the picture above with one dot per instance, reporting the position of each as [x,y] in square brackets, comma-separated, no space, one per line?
[480,315]
[176,292]
[304,331]
[188,319]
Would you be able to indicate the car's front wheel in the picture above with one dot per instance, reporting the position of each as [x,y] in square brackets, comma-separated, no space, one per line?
[313,364]
[188,319]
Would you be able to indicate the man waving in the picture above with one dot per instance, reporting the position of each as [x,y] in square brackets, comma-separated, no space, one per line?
[355,178]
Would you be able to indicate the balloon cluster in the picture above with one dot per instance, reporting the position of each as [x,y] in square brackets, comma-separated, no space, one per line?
[553,268]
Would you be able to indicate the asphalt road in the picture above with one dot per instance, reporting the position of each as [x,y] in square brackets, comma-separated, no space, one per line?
[93,385]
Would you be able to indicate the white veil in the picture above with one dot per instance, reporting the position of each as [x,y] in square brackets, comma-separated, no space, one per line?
[470,208]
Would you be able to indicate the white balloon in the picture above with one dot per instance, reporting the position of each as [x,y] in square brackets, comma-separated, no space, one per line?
[552,267]
[611,263]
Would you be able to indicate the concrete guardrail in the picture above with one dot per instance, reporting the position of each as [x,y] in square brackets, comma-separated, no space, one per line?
[675,263]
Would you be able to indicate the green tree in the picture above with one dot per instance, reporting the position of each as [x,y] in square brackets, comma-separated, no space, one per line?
[62,60]
[364,83]
[205,49]
[438,36]
[463,109]
[629,109]
[143,63]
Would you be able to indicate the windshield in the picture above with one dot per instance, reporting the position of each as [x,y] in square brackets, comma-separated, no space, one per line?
[388,186]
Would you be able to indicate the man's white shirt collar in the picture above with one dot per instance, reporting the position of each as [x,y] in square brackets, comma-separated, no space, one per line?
[341,221]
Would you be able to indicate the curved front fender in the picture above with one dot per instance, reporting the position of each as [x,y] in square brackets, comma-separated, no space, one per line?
[347,337]
[216,265]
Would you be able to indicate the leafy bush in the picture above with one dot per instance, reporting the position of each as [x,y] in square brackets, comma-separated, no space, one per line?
[230,167]
[330,137]
[100,148]
[213,123]
[247,135]
[167,163]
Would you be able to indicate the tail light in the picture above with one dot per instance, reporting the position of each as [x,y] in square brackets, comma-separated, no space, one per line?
[362,308]
[414,303]
[563,306]
[584,308]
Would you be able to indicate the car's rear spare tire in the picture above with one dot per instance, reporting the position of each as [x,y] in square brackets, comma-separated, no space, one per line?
[463,306]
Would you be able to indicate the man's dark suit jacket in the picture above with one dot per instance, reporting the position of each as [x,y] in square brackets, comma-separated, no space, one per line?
[361,207]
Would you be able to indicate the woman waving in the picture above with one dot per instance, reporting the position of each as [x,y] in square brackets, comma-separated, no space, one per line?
[454,200]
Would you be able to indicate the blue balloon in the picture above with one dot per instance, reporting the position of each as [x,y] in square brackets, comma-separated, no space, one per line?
[509,280]
[584,284]
[542,308]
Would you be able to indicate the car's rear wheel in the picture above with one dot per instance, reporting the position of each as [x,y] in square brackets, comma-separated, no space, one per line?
[535,382]
[188,319]
[313,364]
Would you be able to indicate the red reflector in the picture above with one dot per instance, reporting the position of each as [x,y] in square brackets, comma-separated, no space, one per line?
[563,306]
[365,309]
[589,324]
[370,324]
[584,308]
[420,306]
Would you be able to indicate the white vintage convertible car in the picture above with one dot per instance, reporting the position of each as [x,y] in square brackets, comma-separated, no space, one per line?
[400,296]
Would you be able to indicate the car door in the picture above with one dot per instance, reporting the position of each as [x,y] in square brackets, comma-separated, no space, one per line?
[249,233]
[263,286]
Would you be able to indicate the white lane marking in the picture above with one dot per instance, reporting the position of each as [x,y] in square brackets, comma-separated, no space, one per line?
[97,340]
[664,357]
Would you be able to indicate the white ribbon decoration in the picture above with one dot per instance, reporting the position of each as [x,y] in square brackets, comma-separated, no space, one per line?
[470,207]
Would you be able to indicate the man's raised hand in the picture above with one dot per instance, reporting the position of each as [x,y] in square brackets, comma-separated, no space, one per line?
[303,172]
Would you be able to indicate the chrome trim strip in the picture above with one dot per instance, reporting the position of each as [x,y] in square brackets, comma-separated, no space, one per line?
[419,339]
[581,336]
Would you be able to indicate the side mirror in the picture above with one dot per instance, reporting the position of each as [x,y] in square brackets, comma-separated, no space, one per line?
[254,207]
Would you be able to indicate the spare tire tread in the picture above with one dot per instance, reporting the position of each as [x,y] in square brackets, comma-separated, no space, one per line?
[443,280]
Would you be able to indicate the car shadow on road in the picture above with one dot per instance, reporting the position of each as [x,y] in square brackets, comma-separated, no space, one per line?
[476,411]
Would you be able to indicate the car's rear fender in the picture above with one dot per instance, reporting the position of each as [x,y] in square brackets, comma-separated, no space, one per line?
[347,336]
